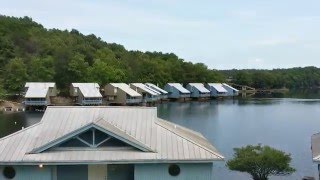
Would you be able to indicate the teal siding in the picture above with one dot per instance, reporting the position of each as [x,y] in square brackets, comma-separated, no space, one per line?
[30,173]
[160,172]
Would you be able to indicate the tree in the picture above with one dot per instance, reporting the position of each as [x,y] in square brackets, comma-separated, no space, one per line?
[260,162]
[41,69]
[15,75]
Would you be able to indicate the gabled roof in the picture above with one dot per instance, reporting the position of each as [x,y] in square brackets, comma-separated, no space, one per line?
[179,87]
[38,89]
[228,86]
[152,86]
[200,87]
[145,89]
[126,88]
[315,147]
[218,87]
[88,89]
[155,140]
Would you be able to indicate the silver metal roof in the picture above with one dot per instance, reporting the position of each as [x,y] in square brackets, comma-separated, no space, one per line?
[38,89]
[228,86]
[152,86]
[126,88]
[179,87]
[156,140]
[200,87]
[88,89]
[218,86]
[315,147]
[145,88]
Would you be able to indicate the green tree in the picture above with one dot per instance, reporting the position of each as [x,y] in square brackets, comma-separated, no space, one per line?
[102,73]
[78,68]
[41,69]
[261,162]
[15,75]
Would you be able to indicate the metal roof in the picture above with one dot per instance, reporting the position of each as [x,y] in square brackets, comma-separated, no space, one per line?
[218,86]
[152,86]
[200,87]
[157,140]
[315,147]
[88,89]
[228,86]
[126,88]
[145,88]
[38,89]
[179,87]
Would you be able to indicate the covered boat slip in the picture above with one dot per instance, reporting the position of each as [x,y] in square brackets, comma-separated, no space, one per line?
[100,142]
[198,90]
[121,94]
[176,91]
[86,93]
[148,94]
[39,93]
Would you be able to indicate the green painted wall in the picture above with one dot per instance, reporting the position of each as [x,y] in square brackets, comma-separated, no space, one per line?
[160,172]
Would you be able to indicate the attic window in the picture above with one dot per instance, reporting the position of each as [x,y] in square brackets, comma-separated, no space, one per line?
[93,138]
[9,172]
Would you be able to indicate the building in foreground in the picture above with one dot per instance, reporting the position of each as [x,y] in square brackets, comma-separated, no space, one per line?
[176,91]
[86,94]
[198,90]
[148,95]
[231,90]
[163,93]
[39,93]
[122,94]
[216,89]
[114,143]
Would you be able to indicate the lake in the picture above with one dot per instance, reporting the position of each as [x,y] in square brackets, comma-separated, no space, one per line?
[284,123]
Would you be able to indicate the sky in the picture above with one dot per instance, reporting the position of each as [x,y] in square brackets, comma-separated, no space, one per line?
[223,34]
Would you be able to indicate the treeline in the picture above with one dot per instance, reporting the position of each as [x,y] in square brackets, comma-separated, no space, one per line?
[30,52]
[293,78]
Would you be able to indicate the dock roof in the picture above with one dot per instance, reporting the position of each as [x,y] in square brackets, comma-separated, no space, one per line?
[145,88]
[155,140]
[200,87]
[218,86]
[126,88]
[179,87]
[38,89]
[228,86]
[88,89]
[156,88]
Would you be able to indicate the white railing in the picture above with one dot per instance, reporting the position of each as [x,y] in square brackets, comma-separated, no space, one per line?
[132,101]
[35,103]
[92,102]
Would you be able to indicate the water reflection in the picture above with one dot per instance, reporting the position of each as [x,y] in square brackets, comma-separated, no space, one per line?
[286,124]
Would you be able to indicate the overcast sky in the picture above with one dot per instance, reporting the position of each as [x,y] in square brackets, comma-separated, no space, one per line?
[223,34]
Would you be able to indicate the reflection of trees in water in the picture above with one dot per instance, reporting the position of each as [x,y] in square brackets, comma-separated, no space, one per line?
[12,122]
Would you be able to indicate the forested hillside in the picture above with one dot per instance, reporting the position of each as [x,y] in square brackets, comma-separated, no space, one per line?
[30,52]
[293,78]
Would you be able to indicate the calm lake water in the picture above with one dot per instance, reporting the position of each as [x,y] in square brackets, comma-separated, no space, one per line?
[284,123]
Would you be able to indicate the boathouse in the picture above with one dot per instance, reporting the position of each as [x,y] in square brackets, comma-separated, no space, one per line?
[164,94]
[114,143]
[198,90]
[122,94]
[216,89]
[39,93]
[148,95]
[176,91]
[86,94]
[231,90]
